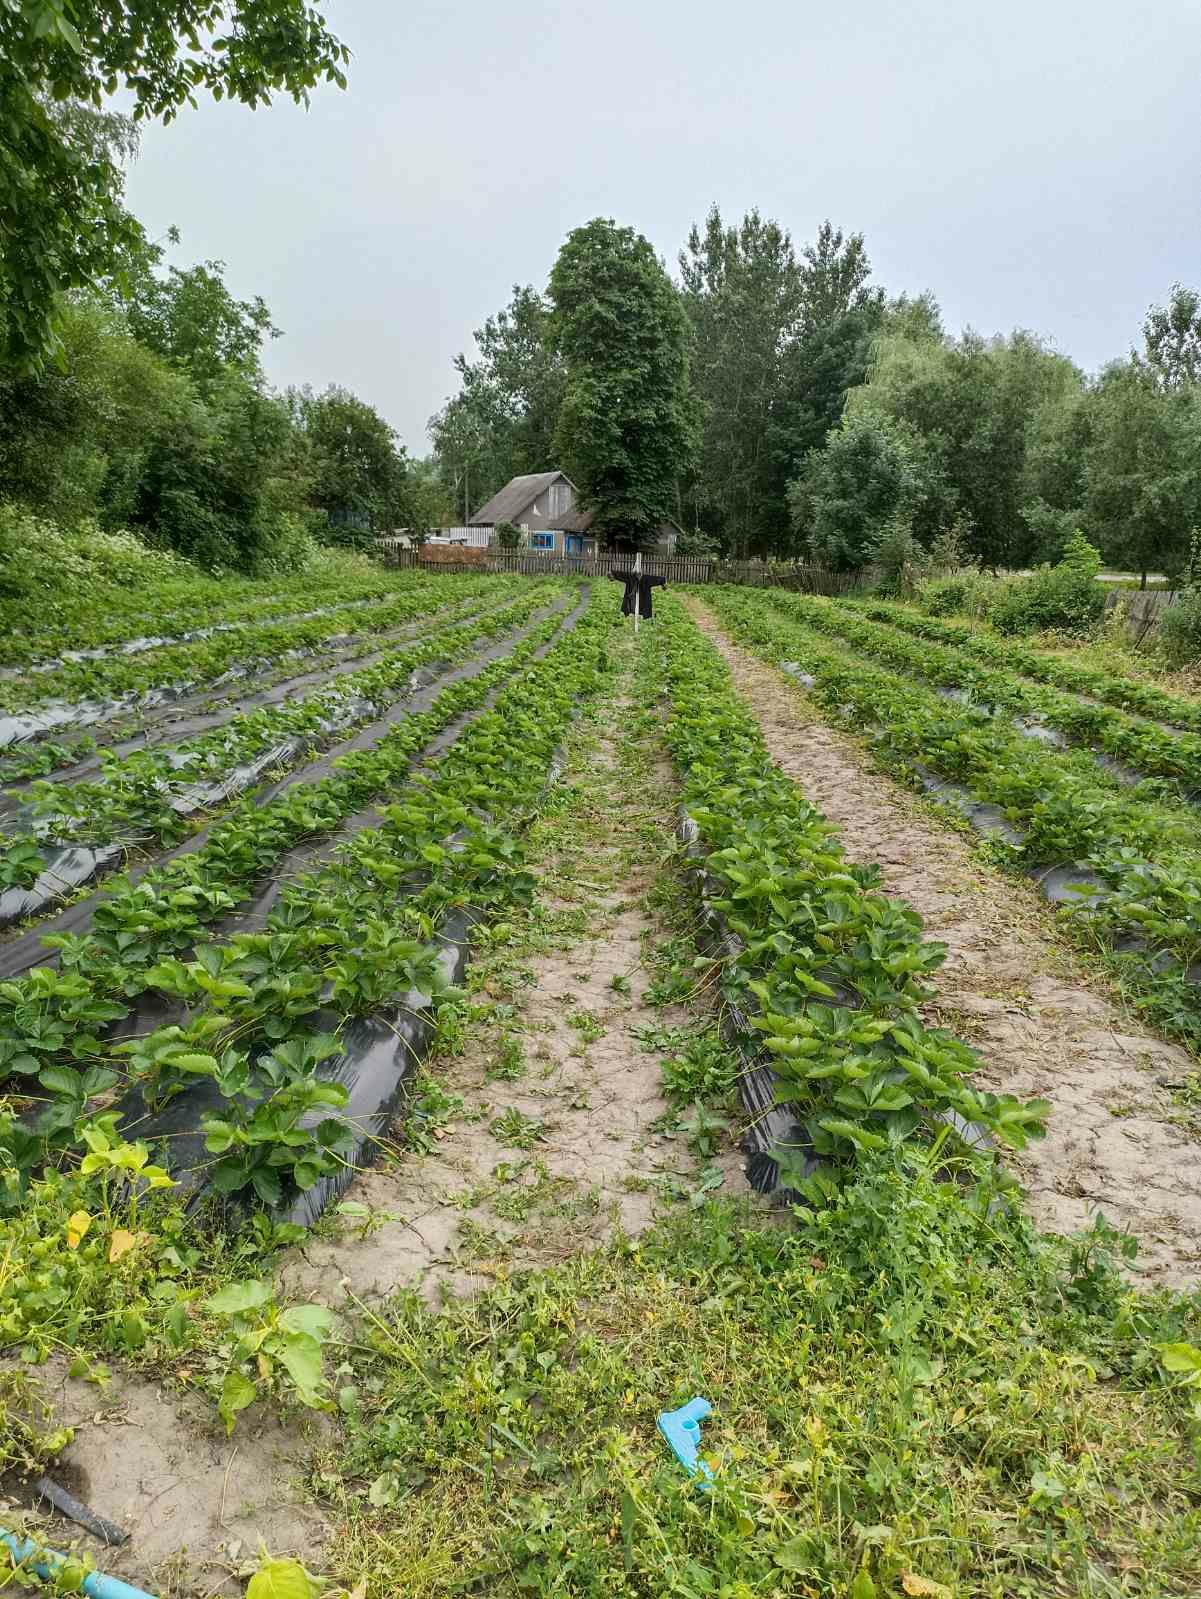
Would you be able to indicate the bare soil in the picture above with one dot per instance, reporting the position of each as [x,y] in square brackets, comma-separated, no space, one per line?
[196,1504]
[1044,1026]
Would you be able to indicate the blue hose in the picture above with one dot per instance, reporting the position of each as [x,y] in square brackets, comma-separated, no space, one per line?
[44,1561]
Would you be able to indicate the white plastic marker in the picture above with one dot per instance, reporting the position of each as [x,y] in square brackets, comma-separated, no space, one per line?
[637,588]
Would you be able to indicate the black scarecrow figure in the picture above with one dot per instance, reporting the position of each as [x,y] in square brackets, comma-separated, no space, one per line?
[636,601]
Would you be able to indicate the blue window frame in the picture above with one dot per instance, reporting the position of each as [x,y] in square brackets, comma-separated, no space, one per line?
[542,541]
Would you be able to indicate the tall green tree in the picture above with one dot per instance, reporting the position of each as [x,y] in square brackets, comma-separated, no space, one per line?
[190,316]
[1172,339]
[74,437]
[627,426]
[62,221]
[871,482]
[742,291]
[835,278]
[220,481]
[1143,469]
[975,402]
[502,421]
[357,471]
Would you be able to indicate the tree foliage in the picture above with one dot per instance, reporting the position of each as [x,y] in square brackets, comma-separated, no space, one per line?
[502,421]
[777,342]
[863,488]
[1143,469]
[62,221]
[1172,339]
[626,427]
[156,417]
[985,410]
[357,471]
[743,291]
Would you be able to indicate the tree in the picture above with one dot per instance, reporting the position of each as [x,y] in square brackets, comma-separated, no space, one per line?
[861,489]
[502,421]
[424,504]
[627,425]
[976,403]
[357,471]
[1143,469]
[834,278]
[1172,339]
[219,482]
[62,223]
[742,292]
[74,438]
[818,370]
[190,317]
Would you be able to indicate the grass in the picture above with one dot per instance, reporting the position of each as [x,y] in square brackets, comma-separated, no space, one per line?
[913,1393]
[905,1390]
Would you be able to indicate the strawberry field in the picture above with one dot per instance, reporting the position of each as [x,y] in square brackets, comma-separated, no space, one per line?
[425,1003]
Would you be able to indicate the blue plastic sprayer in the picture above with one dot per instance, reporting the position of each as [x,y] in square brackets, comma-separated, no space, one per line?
[682,1429]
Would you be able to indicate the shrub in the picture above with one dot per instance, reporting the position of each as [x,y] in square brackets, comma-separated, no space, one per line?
[40,557]
[1066,596]
[1180,629]
[508,535]
[899,559]
[964,593]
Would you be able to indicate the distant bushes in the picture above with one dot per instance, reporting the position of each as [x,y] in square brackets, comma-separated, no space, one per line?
[51,563]
[963,593]
[1065,597]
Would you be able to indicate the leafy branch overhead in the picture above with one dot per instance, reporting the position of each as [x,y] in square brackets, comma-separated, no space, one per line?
[61,218]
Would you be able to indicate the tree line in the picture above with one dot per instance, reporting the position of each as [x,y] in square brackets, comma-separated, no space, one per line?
[769,400]
[155,416]
[132,393]
[775,402]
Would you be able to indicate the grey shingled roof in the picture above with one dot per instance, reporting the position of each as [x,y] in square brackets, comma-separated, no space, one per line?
[519,493]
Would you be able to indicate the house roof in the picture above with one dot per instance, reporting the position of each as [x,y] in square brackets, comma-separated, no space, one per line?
[518,494]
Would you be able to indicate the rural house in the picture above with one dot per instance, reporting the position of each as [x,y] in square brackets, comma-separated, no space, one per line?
[543,506]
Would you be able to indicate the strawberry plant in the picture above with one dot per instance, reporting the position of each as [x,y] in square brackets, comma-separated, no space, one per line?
[830,971]
[1061,807]
[152,794]
[357,935]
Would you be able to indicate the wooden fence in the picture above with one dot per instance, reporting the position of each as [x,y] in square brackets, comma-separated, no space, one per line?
[797,575]
[1143,608]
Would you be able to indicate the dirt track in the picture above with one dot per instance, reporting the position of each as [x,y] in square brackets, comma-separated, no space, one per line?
[1012,990]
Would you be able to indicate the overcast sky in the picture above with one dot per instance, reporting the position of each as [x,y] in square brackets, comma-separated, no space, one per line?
[1034,164]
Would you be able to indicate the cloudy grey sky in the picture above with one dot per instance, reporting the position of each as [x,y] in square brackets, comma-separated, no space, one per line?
[1034,163]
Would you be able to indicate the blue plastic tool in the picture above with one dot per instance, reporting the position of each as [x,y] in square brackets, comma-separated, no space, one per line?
[46,1561]
[682,1429]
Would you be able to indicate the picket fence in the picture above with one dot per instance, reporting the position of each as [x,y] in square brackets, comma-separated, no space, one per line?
[798,576]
